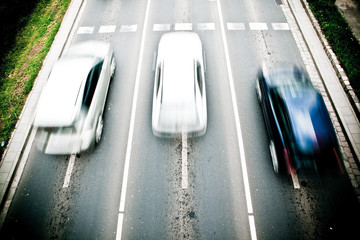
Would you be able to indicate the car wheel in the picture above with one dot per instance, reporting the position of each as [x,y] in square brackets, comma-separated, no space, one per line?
[258,90]
[112,67]
[274,158]
[99,129]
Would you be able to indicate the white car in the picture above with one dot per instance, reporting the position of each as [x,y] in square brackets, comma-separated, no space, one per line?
[179,98]
[69,115]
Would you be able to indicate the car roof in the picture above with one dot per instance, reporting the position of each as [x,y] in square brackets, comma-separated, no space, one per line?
[179,53]
[310,121]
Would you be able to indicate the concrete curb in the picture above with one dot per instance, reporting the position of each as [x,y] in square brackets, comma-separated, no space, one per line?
[344,80]
[18,141]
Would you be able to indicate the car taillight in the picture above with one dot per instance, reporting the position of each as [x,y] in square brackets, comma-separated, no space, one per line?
[289,166]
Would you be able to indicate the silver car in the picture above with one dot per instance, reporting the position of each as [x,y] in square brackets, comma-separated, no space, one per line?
[70,111]
[179,98]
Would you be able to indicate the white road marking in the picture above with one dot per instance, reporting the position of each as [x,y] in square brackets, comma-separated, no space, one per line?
[107,29]
[235,26]
[206,26]
[85,30]
[119,225]
[252,227]
[131,128]
[69,171]
[183,26]
[184,163]
[128,28]
[280,26]
[258,26]
[161,27]
[295,179]
[237,123]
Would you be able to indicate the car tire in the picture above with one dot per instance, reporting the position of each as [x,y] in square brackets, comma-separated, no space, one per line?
[99,129]
[258,90]
[274,157]
[112,67]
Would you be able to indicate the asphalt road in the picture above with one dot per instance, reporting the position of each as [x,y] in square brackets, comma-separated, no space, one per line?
[132,185]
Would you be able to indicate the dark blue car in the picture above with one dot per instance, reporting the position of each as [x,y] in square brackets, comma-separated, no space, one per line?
[298,124]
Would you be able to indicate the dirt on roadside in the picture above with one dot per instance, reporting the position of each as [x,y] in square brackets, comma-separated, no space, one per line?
[351,12]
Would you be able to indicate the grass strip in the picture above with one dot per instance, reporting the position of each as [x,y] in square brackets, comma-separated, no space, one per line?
[24,61]
[339,35]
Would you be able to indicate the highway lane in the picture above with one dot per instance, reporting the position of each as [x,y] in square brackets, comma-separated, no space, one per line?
[214,204]
[88,208]
[171,211]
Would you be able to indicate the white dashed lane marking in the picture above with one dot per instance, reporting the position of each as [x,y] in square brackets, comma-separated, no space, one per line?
[128,28]
[235,26]
[206,26]
[69,171]
[161,27]
[184,163]
[231,26]
[85,30]
[183,26]
[107,29]
[258,26]
[280,26]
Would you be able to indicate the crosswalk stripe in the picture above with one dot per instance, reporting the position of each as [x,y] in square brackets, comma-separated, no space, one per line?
[235,26]
[206,26]
[231,26]
[161,27]
[280,26]
[85,30]
[258,26]
[107,29]
[183,26]
[128,28]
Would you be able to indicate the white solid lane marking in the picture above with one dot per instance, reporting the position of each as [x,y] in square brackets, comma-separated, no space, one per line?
[235,26]
[132,123]
[258,26]
[237,119]
[85,30]
[128,28]
[119,226]
[184,163]
[280,26]
[69,171]
[252,227]
[183,26]
[107,29]
[161,27]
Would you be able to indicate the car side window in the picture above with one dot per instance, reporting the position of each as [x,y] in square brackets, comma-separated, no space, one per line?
[158,78]
[199,77]
[91,83]
[281,113]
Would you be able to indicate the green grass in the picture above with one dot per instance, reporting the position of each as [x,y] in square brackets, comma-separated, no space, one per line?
[340,37]
[23,61]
